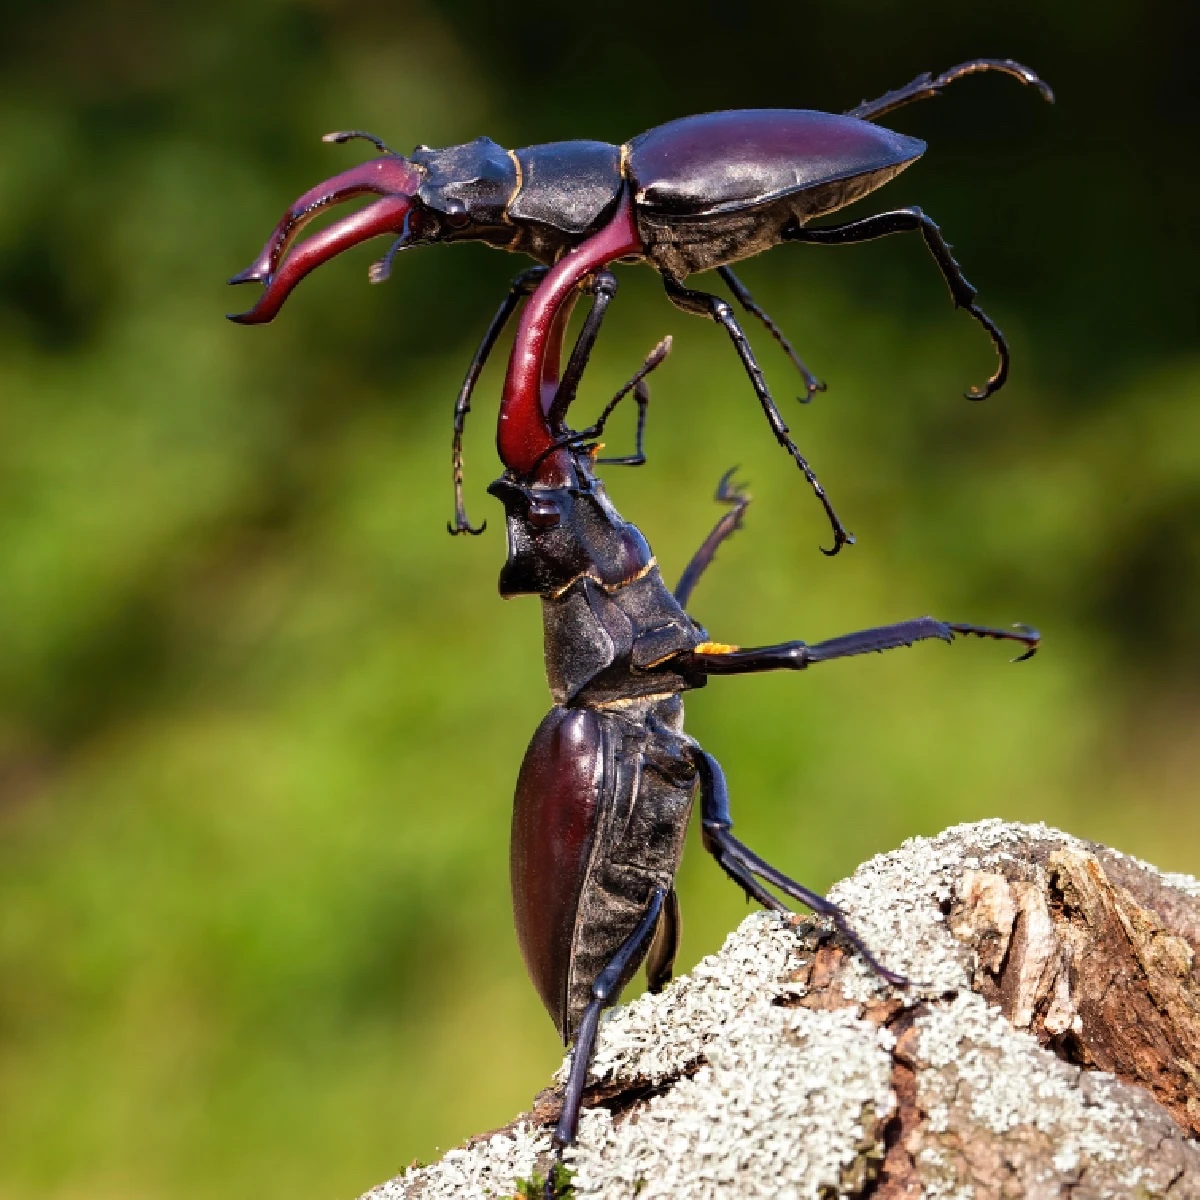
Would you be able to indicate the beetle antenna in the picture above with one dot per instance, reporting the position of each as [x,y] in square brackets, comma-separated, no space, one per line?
[341,136]
[380,270]
[927,86]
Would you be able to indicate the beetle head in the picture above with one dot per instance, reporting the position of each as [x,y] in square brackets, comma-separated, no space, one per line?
[562,526]
[434,195]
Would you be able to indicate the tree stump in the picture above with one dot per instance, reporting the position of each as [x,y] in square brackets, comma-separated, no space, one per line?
[1049,1048]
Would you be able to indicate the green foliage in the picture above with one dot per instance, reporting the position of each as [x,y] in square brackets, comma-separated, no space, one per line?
[534,1188]
[260,718]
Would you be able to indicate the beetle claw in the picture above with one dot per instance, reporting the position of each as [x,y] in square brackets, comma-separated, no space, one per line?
[454,528]
[812,385]
[841,537]
[997,380]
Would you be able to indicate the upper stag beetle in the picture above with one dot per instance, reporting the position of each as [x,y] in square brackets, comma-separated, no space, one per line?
[691,195]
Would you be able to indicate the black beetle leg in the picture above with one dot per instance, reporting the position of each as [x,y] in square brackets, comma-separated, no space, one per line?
[706,305]
[742,865]
[641,395]
[729,493]
[603,286]
[926,86]
[603,994]
[812,384]
[518,289]
[907,220]
[796,656]
[660,958]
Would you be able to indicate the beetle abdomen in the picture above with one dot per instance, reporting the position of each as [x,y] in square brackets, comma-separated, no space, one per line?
[717,188]
[553,826]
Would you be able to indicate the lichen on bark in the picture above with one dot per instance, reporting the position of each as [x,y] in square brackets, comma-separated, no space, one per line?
[1052,1048]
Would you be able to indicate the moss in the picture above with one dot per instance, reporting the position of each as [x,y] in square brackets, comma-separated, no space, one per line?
[534,1188]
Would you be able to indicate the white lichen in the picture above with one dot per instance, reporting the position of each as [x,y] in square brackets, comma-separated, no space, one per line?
[486,1170]
[781,1110]
[763,1098]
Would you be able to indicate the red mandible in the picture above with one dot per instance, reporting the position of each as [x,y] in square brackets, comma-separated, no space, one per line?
[523,434]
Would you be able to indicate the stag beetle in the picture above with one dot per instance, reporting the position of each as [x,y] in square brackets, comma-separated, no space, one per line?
[691,195]
[606,788]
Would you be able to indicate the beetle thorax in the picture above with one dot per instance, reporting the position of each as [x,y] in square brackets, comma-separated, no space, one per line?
[559,534]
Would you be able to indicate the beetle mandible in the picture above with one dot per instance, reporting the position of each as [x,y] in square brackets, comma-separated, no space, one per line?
[691,195]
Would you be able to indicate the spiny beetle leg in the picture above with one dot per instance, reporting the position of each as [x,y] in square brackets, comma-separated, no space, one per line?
[603,994]
[518,289]
[905,633]
[742,865]
[795,656]
[812,384]
[706,305]
[926,86]
[907,220]
[729,493]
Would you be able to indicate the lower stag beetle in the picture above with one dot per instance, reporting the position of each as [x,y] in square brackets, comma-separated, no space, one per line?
[606,788]
[691,195]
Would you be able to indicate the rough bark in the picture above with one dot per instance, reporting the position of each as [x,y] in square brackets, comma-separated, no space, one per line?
[1051,1049]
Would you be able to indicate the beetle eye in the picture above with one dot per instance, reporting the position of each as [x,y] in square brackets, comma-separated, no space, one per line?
[543,515]
[457,215]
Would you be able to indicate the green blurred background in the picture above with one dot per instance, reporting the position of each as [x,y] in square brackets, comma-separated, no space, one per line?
[260,717]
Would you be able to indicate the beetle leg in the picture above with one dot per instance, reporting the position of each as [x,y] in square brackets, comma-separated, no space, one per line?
[812,384]
[745,867]
[603,287]
[926,86]
[907,220]
[729,493]
[641,395]
[520,287]
[795,656]
[707,305]
[603,994]
[660,958]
